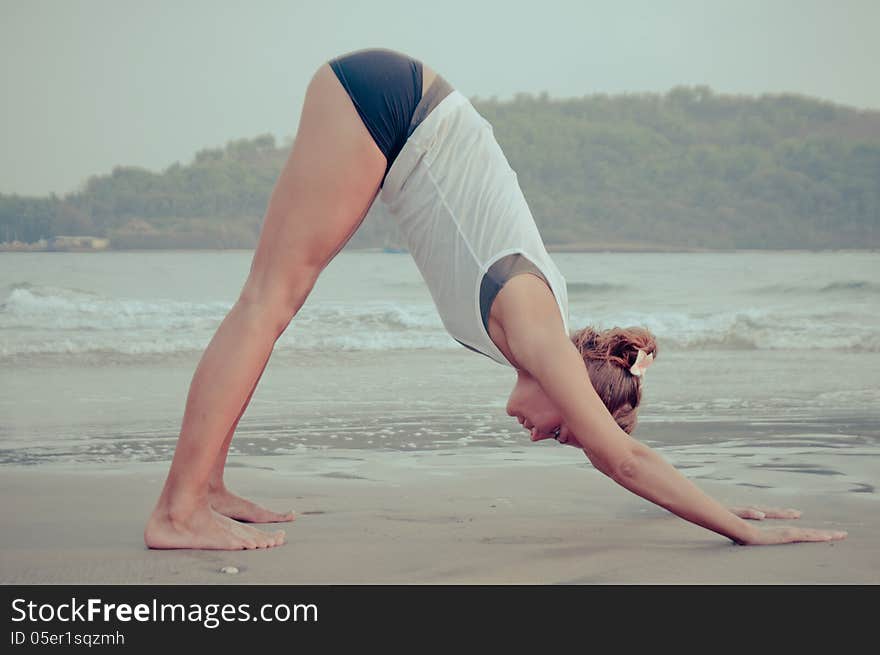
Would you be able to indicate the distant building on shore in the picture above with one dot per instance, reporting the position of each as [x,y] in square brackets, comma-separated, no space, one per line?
[21,246]
[78,243]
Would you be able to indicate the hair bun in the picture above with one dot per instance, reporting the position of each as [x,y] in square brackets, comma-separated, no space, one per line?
[620,345]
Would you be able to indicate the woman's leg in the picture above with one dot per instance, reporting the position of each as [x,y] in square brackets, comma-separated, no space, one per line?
[325,189]
[221,498]
[225,501]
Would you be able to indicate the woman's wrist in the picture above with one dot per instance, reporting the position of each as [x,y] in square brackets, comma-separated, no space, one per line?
[745,534]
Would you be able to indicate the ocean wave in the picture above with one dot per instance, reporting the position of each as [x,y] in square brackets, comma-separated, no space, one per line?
[48,307]
[841,286]
[750,329]
[57,321]
[583,288]
[157,346]
[54,320]
[57,307]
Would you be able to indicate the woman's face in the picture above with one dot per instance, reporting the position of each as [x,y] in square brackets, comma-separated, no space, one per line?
[531,406]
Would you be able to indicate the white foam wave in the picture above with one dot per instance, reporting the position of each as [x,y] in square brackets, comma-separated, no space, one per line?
[56,320]
[750,329]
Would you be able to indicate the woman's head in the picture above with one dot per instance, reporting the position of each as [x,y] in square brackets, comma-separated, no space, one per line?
[608,355]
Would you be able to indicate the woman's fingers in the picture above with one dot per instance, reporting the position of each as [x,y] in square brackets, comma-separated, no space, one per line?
[748,513]
[776,513]
[757,513]
[787,535]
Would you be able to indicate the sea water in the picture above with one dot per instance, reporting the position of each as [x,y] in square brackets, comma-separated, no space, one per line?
[761,355]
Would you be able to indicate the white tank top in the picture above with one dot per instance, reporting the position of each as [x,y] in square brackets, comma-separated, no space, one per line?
[460,208]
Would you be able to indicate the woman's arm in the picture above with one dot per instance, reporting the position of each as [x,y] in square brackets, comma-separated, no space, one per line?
[555,362]
[535,335]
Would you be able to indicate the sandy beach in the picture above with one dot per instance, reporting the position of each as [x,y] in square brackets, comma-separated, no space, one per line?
[429,518]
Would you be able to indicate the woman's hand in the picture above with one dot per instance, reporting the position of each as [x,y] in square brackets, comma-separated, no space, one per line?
[787,535]
[782,535]
[759,513]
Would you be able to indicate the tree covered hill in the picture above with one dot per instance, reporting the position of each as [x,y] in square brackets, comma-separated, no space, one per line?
[684,169]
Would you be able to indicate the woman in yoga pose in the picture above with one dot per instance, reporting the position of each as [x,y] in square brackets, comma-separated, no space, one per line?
[377,122]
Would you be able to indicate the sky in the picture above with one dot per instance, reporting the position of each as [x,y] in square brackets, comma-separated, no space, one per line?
[92,84]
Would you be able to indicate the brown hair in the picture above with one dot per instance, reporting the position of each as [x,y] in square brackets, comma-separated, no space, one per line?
[608,355]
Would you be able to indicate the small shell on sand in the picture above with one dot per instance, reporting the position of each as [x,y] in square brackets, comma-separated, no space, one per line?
[231,570]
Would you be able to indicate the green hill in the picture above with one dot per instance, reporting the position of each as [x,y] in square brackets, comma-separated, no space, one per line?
[685,169]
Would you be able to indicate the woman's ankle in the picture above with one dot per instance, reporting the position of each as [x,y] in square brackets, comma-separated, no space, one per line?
[180,504]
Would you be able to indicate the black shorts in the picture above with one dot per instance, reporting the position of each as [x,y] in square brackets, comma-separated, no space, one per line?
[386,89]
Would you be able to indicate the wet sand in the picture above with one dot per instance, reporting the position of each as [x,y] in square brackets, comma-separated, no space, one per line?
[535,515]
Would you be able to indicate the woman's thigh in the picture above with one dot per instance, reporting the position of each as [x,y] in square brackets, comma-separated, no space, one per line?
[325,189]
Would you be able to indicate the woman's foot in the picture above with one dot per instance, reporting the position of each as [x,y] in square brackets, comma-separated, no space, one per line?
[235,507]
[204,529]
